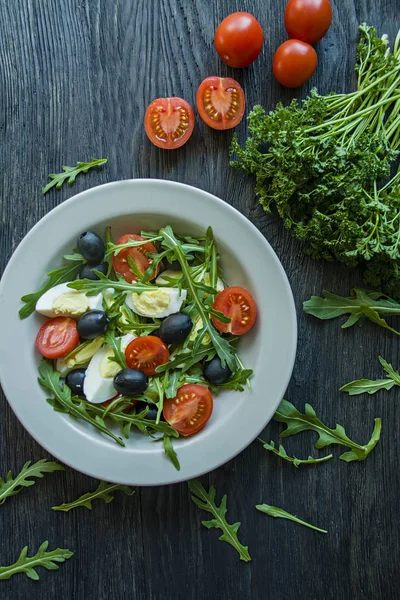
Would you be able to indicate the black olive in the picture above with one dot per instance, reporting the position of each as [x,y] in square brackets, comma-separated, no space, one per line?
[92,323]
[215,373]
[86,271]
[130,382]
[74,381]
[175,265]
[156,333]
[175,328]
[91,246]
[152,413]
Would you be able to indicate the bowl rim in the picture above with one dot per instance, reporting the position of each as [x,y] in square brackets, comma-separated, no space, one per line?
[171,476]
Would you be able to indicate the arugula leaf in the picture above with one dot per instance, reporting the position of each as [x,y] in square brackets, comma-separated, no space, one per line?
[170,452]
[61,275]
[70,173]
[237,381]
[64,402]
[223,348]
[296,422]
[371,386]
[115,343]
[358,305]
[206,501]
[104,492]
[13,486]
[281,452]
[27,564]
[92,287]
[274,511]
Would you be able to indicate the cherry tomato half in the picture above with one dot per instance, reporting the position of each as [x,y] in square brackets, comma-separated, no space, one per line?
[239,39]
[294,63]
[169,122]
[57,337]
[138,255]
[220,102]
[146,353]
[308,20]
[190,410]
[238,304]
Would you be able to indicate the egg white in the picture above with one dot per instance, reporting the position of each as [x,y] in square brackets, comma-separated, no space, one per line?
[98,389]
[45,304]
[149,304]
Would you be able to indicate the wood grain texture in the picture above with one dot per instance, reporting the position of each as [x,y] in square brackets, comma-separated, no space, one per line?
[75,79]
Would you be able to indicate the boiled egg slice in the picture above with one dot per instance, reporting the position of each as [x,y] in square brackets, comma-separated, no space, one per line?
[98,383]
[79,357]
[156,303]
[62,301]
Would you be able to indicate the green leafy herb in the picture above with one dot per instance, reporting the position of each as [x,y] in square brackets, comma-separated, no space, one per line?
[13,486]
[64,402]
[359,305]
[296,422]
[61,275]
[196,291]
[274,511]
[281,452]
[206,501]
[115,343]
[370,386]
[69,173]
[323,165]
[27,564]
[104,492]
[170,452]
[93,287]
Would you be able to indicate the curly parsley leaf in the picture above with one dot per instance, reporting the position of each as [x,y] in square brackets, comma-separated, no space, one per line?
[14,485]
[170,452]
[371,386]
[104,492]
[206,501]
[296,422]
[281,452]
[27,564]
[274,511]
[69,173]
[62,275]
[359,305]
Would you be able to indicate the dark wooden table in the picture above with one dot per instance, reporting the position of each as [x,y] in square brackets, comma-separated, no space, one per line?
[76,77]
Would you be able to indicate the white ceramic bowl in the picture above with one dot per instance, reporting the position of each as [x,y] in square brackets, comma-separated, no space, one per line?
[247,260]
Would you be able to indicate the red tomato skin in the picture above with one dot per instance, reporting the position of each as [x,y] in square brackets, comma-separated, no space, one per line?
[238,39]
[308,20]
[220,87]
[235,302]
[119,261]
[146,353]
[294,63]
[169,122]
[57,337]
[191,421]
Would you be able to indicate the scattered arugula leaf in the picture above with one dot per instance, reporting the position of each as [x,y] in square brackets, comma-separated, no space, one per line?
[70,173]
[27,564]
[115,343]
[359,305]
[296,422]
[206,501]
[281,452]
[104,492]
[170,452]
[13,486]
[371,386]
[274,511]
[61,275]
[63,401]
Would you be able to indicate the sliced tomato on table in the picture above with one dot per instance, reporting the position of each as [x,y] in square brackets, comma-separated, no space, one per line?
[57,337]
[238,304]
[138,254]
[190,410]
[169,122]
[146,353]
[220,102]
